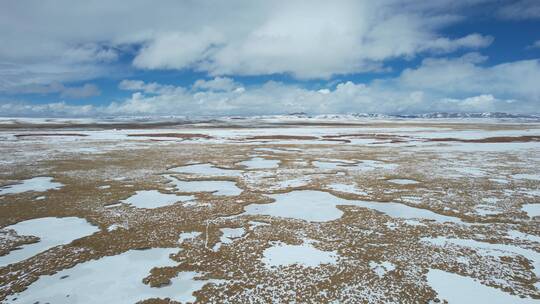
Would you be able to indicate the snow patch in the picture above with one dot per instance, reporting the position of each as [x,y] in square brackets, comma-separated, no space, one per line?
[225,188]
[206,170]
[150,199]
[381,268]
[36,184]
[260,163]
[531,209]
[455,288]
[306,255]
[117,278]
[319,206]
[52,231]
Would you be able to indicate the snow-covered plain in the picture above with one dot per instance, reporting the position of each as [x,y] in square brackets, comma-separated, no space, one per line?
[462,190]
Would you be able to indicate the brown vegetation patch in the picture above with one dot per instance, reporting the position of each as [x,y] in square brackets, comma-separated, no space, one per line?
[172,135]
[497,139]
[282,137]
[50,134]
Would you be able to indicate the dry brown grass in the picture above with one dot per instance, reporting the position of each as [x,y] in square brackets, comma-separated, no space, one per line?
[49,134]
[172,135]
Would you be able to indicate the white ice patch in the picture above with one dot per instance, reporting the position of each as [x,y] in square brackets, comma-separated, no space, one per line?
[306,205]
[104,187]
[254,224]
[52,231]
[468,171]
[490,200]
[150,199]
[414,223]
[292,183]
[188,236]
[113,205]
[281,150]
[260,163]
[402,181]
[531,209]
[535,177]
[382,268]
[228,236]
[455,288]
[225,188]
[489,249]
[114,227]
[499,180]
[117,278]
[36,184]
[206,170]
[281,254]
[319,206]
[369,165]
[347,188]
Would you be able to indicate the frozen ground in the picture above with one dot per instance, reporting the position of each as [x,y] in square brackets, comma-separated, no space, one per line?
[269,210]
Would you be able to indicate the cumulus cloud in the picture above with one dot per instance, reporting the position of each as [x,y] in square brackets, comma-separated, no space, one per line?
[464,75]
[307,39]
[60,109]
[535,45]
[149,88]
[472,41]
[217,84]
[226,39]
[176,50]
[461,84]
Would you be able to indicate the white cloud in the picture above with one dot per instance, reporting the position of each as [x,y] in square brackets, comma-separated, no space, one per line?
[50,109]
[535,45]
[308,39]
[465,75]
[223,39]
[521,9]
[460,84]
[149,88]
[176,50]
[472,41]
[216,84]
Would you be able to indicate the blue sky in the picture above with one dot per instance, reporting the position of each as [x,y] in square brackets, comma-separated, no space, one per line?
[193,58]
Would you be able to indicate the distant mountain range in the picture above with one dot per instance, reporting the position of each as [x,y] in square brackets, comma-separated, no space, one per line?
[130,121]
[435,115]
